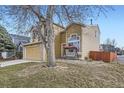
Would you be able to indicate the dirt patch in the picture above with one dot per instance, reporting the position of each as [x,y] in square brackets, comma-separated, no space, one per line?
[31,70]
[61,68]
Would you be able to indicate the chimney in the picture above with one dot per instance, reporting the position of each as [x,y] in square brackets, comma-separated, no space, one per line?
[91,21]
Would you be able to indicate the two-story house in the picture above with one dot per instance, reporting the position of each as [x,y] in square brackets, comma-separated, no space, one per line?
[75,41]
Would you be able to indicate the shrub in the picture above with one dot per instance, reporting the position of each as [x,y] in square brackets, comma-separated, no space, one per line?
[19,55]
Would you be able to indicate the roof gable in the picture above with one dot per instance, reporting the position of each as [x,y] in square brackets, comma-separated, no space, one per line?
[71,24]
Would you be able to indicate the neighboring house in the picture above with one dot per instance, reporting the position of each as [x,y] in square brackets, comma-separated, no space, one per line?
[74,41]
[107,48]
[119,51]
[19,40]
[111,48]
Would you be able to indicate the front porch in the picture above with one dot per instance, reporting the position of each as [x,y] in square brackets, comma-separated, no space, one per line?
[70,52]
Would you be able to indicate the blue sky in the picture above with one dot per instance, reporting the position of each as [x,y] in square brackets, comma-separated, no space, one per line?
[113,26]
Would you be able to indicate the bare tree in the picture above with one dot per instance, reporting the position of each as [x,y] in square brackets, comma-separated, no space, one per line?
[108,41]
[111,42]
[24,17]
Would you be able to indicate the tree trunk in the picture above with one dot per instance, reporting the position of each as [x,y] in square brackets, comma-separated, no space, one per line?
[50,38]
[51,54]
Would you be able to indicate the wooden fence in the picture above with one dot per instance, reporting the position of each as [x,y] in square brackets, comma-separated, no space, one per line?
[102,56]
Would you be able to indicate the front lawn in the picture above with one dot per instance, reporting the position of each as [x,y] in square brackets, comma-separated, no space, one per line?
[63,75]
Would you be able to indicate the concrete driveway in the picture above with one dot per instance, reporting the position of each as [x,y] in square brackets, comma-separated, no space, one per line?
[14,62]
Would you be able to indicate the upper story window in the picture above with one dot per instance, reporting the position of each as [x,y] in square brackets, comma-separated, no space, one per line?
[74,40]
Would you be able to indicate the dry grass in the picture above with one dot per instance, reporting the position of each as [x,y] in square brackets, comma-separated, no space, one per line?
[63,75]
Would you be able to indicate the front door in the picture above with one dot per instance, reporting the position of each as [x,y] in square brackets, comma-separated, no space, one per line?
[70,52]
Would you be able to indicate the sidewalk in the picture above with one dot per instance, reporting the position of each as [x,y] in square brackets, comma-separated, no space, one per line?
[14,62]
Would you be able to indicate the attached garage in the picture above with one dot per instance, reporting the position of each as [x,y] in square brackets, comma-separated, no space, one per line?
[33,51]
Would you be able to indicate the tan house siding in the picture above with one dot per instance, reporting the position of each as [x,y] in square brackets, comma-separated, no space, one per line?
[62,41]
[57,46]
[74,29]
[63,37]
[90,40]
[57,31]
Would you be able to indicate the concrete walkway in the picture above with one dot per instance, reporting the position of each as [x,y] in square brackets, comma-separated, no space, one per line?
[13,62]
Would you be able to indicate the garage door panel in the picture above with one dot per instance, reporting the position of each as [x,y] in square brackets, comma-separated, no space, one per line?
[34,52]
